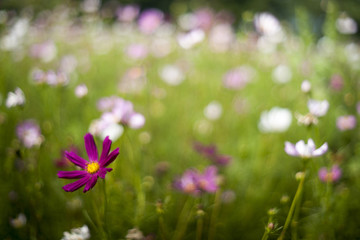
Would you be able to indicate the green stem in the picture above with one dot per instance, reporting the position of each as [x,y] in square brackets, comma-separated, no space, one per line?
[105,209]
[199,227]
[266,235]
[292,208]
[214,215]
[184,218]
[162,229]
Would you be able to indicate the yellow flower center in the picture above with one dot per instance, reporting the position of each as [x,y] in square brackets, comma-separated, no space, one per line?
[92,167]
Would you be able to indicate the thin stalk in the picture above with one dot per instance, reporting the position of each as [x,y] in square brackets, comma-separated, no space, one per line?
[266,235]
[184,219]
[162,229]
[292,207]
[214,215]
[105,209]
[199,227]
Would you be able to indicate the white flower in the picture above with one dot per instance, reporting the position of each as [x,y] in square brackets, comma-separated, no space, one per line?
[282,74]
[318,108]
[190,39]
[346,25]
[276,120]
[306,86]
[300,149]
[19,221]
[213,110]
[172,75]
[15,98]
[81,233]
[113,131]
[81,90]
[269,26]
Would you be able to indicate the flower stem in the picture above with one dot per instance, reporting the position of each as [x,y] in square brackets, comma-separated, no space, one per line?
[105,209]
[214,215]
[183,220]
[199,227]
[292,207]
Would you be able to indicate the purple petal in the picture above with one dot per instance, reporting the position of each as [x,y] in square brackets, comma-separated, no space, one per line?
[72,174]
[76,185]
[102,172]
[321,150]
[290,149]
[91,183]
[110,158]
[91,147]
[105,151]
[323,174]
[75,159]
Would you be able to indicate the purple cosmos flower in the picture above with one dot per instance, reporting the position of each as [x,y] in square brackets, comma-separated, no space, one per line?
[193,182]
[93,169]
[237,78]
[127,13]
[150,20]
[28,132]
[210,152]
[344,123]
[330,176]
[300,149]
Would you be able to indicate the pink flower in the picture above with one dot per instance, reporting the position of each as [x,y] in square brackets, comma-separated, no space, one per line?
[150,20]
[344,123]
[29,134]
[195,183]
[336,82]
[330,176]
[91,170]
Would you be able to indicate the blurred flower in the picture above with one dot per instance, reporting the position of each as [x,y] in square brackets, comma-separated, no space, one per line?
[91,6]
[210,152]
[336,82]
[137,51]
[81,233]
[150,20]
[15,98]
[275,120]
[161,47]
[358,107]
[228,196]
[221,37]
[19,221]
[193,182]
[346,25]
[300,149]
[237,78]
[14,39]
[28,132]
[344,123]
[269,26]
[134,234]
[204,18]
[81,90]
[307,120]
[172,75]
[113,130]
[206,182]
[133,81]
[68,64]
[282,74]
[190,39]
[117,110]
[213,110]
[45,51]
[93,169]
[318,108]
[127,13]
[187,21]
[330,176]
[63,162]
[305,86]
